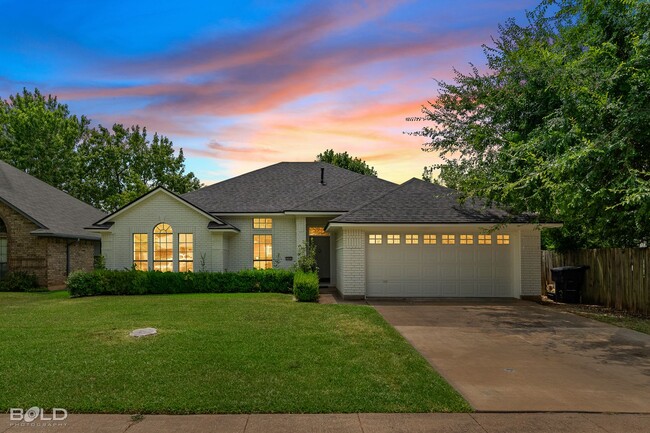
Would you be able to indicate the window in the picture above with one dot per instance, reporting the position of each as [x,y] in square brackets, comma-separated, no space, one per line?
[4,255]
[448,239]
[429,239]
[185,252]
[392,239]
[466,239]
[374,239]
[163,248]
[317,231]
[262,223]
[262,251]
[412,239]
[503,239]
[484,239]
[141,251]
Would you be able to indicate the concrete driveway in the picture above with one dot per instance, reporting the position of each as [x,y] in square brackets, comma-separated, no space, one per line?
[521,356]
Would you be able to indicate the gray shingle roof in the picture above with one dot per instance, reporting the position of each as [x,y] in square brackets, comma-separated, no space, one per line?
[419,202]
[55,212]
[289,186]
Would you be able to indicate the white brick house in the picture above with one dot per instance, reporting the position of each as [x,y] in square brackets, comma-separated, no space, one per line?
[374,238]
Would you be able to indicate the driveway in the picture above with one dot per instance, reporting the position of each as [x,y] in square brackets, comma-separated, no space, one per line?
[520,356]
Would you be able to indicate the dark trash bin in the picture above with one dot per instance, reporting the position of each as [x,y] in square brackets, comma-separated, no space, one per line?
[568,283]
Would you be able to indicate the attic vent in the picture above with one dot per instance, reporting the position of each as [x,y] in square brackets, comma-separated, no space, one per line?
[322,175]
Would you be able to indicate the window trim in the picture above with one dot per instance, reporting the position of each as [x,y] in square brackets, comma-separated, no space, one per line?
[375,239]
[168,235]
[140,243]
[185,261]
[262,223]
[503,239]
[317,232]
[268,257]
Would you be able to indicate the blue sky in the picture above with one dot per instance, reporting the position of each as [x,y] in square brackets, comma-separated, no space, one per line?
[240,85]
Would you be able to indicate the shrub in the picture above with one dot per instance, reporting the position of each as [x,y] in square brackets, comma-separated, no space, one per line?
[82,283]
[99,262]
[305,286]
[306,261]
[131,282]
[20,282]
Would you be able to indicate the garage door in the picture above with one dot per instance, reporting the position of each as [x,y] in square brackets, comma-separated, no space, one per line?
[438,265]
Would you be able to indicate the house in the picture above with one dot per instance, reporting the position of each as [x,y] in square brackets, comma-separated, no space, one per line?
[373,237]
[42,229]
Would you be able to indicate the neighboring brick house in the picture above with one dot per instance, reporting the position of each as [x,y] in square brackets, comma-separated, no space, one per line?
[42,229]
[373,238]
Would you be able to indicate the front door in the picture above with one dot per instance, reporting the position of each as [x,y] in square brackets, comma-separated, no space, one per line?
[322,256]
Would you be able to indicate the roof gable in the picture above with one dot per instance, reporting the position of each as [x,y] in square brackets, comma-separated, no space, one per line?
[214,222]
[55,212]
[289,186]
[420,202]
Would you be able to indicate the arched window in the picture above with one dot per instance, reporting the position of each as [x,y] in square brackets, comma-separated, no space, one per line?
[163,248]
[4,256]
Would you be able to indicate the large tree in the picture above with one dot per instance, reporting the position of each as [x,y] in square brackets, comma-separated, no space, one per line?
[39,136]
[344,160]
[104,167]
[558,123]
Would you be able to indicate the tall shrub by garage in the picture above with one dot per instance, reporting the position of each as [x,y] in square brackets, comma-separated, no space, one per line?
[305,286]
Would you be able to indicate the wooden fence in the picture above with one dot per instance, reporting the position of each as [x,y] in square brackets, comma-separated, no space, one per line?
[617,277]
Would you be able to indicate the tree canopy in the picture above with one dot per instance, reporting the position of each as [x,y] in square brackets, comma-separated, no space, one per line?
[558,123]
[344,160]
[104,167]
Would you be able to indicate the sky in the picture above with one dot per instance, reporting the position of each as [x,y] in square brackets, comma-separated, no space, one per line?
[242,85]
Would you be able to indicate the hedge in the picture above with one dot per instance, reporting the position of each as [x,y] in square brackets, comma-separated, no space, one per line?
[107,282]
[305,286]
[20,282]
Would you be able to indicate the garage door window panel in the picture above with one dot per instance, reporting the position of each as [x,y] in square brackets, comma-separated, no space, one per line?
[393,239]
[448,239]
[485,239]
[412,239]
[374,239]
[429,239]
[466,239]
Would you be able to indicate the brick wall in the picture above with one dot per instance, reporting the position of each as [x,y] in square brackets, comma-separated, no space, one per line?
[26,252]
[81,258]
[41,256]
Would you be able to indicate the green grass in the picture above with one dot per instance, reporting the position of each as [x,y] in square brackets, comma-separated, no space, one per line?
[640,324]
[215,353]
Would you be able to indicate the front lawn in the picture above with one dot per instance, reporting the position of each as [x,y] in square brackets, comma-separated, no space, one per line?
[215,353]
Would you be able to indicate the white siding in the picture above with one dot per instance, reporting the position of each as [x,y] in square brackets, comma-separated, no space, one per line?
[531,263]
[117,245]
[240,246]
[351,262]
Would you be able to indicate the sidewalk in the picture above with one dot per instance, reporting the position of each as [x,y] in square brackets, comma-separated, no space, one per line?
[344,423]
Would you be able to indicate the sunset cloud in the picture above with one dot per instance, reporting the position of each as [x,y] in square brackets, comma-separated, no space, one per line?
[244,85]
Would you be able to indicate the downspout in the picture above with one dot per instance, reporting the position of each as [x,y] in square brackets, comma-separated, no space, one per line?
[67,256]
